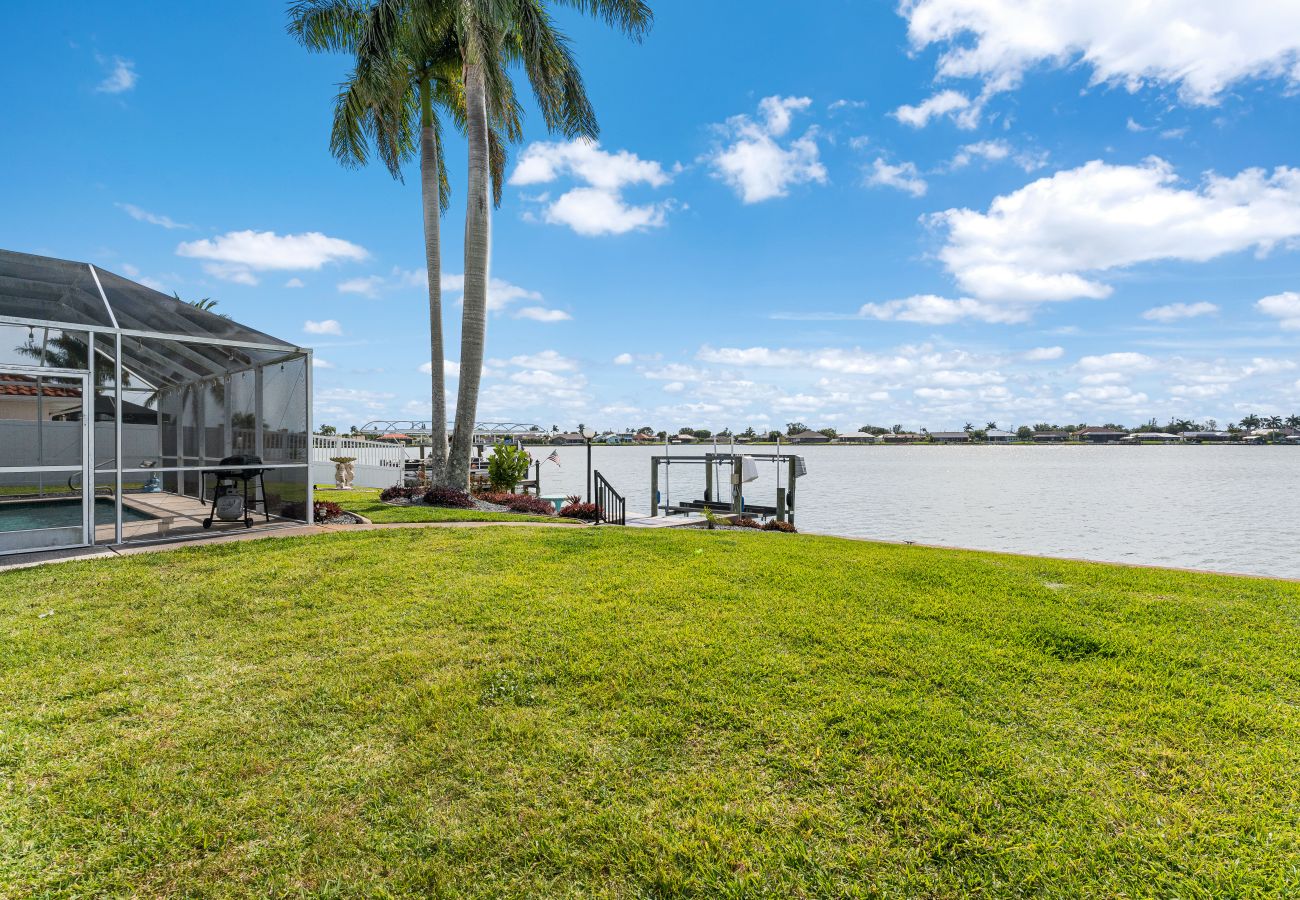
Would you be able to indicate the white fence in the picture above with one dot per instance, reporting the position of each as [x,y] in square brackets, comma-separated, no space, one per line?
[378,464]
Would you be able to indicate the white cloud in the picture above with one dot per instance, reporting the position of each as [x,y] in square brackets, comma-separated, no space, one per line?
[1044,354]
[318,363]
[839,105]
[367,286]
[294,283]
[953,104]
[1047,240]
[903,176]
[997,151]
[598,208]
[542,314]
[1284,307]
[928,309]
[1127,361]
[597,211]
[547,360]
[121,77]
[539,378]
[450,369]
[143,215]
[543,162]
[1172,312]
[1199,46]
[674,387]
[236,255]
[755,164]
[1109,395]
[623,359]
[325,326]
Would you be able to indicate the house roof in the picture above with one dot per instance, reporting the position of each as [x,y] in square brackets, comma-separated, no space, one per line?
[809,434]
[950,434]
[1099,429]
[997,432]
[23,386]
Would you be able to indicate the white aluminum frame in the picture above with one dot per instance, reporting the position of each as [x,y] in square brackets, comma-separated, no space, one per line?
[86,468]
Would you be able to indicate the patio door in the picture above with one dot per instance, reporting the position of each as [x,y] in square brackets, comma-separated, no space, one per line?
[45,460]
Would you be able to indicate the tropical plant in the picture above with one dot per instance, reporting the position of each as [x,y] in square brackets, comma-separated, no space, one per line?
[587,512]
[507,466]
[527,503]
[440,495]
[1250,422]
[404,75]
[776,525]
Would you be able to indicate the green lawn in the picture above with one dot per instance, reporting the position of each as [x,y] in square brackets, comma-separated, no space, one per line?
[366,502]
[599,712]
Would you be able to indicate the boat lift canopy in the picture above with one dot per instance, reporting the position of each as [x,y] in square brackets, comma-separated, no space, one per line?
[743,468]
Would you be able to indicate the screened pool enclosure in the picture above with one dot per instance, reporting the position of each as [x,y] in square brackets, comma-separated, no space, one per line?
[118,402]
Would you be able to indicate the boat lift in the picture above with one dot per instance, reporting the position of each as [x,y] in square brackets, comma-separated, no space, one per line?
[742,469]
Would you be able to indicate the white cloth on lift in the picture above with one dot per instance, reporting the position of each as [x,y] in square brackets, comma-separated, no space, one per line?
[748,469]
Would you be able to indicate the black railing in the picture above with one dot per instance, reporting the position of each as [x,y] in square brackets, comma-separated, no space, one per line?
[610,506]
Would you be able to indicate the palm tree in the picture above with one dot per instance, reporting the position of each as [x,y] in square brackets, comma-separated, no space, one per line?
[403,77]
[1250,422]
[490,36]
[968,428]
[990,426]
[1293,422]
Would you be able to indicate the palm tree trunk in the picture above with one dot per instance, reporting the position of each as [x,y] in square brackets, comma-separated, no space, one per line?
[430,184]
[478,251]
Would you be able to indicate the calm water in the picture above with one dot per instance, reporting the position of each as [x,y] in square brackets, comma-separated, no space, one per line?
[1231,509]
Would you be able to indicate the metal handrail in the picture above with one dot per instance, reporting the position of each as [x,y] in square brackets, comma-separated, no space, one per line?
[611,506]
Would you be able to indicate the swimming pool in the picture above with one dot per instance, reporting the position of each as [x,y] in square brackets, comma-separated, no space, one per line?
[26,515]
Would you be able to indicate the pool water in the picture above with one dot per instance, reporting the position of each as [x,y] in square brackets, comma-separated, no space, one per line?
[25,515]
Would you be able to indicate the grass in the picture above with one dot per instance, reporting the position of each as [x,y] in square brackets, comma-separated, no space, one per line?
[597,712]
[366,502]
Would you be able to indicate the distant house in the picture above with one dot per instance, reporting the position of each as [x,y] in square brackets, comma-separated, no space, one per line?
[950,437]
[568,437]
[642,438]
[998,436]
[681,439]
[1051,437]
[1161,437]
[19,402]
[1206,437]
[625,437]
[903,437]
[809,437]
[856,438]
[1097,434]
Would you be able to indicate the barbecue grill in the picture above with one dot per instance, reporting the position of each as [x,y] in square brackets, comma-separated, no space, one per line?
[231,471]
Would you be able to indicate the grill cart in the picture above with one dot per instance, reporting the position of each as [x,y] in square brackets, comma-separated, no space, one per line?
[231,500]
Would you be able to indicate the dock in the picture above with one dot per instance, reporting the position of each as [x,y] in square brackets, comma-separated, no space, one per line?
[666,521]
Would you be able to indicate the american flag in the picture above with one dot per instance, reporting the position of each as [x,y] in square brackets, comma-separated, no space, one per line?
[554,457]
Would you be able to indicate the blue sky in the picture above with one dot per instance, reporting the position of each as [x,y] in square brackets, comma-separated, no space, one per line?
[926,214]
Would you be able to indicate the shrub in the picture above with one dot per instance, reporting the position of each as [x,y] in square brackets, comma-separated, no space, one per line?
[587,512]
[399,492]
[326,509]
[573,498]
[774,525]
[449,497]
[500,498]
[507,466]
[525,503]
[747,522]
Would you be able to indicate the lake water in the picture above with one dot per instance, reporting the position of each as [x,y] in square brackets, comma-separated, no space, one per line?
[1228,509]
